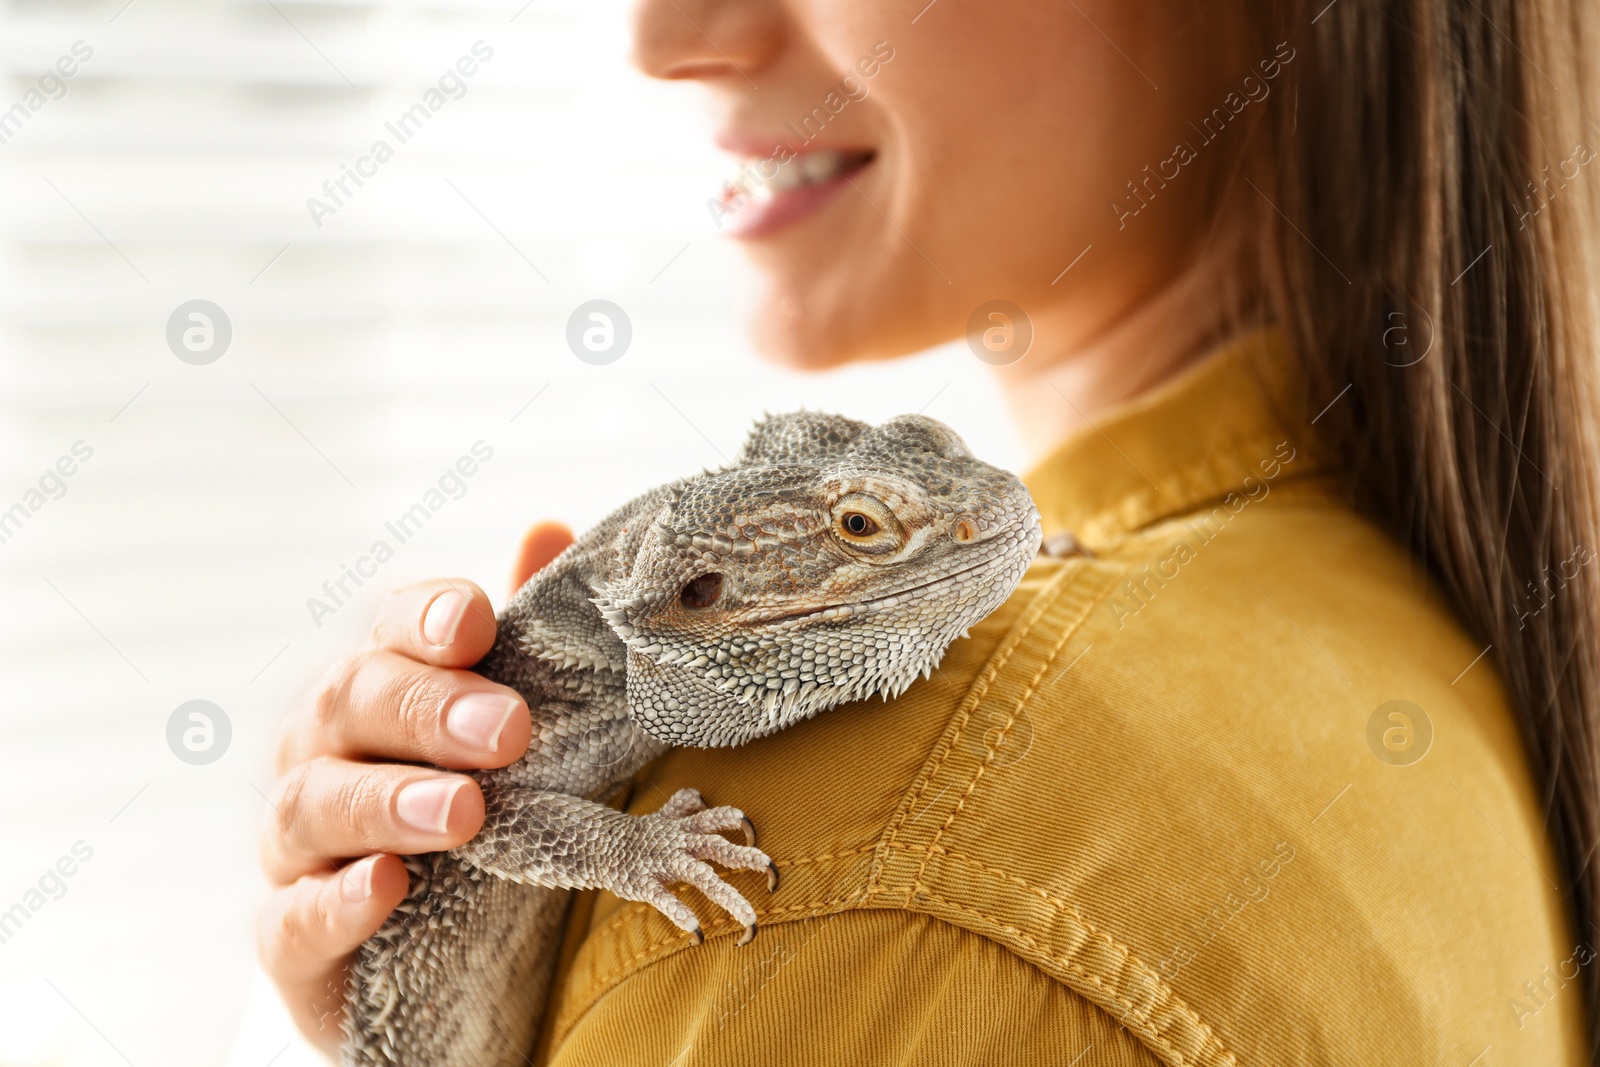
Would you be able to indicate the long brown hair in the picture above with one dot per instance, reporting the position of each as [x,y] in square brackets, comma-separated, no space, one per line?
[1431,180]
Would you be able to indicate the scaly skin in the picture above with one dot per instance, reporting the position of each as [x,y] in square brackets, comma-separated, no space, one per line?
[830,562]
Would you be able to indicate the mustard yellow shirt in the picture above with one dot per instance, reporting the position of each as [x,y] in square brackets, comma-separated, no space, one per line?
[1162,807]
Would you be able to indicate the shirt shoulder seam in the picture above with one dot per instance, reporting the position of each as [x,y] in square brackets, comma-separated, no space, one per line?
[1071,597]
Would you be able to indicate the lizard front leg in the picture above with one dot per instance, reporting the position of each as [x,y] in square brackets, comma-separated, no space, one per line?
[539,837]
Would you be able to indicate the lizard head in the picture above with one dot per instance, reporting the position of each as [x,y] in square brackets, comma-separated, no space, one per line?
[830,561]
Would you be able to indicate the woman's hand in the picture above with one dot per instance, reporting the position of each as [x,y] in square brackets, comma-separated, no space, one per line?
[409,697]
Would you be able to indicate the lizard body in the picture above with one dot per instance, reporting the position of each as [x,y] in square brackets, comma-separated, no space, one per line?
[830,561]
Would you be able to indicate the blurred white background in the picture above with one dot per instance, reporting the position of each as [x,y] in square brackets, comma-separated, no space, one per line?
[427,313]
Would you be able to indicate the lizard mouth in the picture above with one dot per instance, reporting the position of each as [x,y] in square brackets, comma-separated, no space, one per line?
[845,610]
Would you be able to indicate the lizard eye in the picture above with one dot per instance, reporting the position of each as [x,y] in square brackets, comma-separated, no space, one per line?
[866,528]
[700,593]
[857,525]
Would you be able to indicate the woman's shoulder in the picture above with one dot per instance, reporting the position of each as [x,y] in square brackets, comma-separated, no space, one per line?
[1241,781]
[1266,759]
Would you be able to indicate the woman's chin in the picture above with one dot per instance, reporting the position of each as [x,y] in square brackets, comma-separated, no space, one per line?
[785,347]
[790,333]
[806,333]
[805,347]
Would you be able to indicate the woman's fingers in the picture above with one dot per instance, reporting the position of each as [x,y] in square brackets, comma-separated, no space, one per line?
[541,544]
[409,698]
[308,928]
[384,705]
[328,809]
[447,622]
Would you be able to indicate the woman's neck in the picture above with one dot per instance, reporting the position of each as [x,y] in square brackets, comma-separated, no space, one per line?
[1059,389]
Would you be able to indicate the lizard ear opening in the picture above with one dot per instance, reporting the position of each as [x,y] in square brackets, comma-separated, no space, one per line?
[702,592]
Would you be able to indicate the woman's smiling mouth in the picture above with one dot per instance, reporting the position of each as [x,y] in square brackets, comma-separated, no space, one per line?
[781,189]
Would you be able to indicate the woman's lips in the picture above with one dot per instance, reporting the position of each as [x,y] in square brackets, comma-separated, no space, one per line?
[769,196]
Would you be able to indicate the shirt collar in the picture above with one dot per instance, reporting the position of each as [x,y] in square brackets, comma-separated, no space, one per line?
[1191,441]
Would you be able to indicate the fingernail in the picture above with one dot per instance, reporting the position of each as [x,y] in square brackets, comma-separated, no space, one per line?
[355,884]
[476,719]
[425,805]
[443,617]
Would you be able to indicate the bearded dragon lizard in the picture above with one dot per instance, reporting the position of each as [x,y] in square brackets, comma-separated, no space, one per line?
[831,561]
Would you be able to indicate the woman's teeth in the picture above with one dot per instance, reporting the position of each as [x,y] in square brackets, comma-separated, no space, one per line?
[766,178]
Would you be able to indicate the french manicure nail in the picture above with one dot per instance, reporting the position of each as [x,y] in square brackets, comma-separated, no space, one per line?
[355,884]
[476,719]
[425,805]
[443,617]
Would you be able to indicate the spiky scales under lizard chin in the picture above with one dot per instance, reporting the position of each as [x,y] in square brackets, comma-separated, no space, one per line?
[831,561]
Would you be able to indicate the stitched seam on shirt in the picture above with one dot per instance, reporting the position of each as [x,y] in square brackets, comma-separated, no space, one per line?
[1042,602]
[631,907]
[1176,496]
[1237,446]
[1286,494]
[1062,904]
[1037,610]
[1043,894]
[800,861]
[1130,958]
[1067,633]
[595,988]
[1134,545]
[1152,1034]
[676,942]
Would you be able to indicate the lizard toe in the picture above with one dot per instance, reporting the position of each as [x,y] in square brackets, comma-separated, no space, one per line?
[721,820]
[682,803]
[720,850]
[702,877]
[676,911]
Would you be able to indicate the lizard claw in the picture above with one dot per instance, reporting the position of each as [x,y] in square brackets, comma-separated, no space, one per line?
[677,844]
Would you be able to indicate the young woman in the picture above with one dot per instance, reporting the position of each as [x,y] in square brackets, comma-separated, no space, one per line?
[1289,754]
